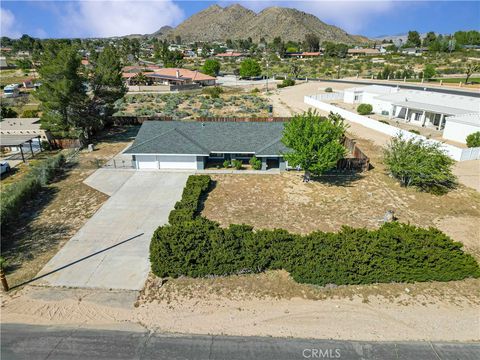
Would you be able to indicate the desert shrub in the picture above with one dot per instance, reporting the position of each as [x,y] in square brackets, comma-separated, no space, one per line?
[255,163]
[255,91]
[414,131]
[418,163]
[237,164]
[384,122]
[473,140]
[227,164]
[364,109]
[30,113]
[213,91]
[15,195]
[285,83]
[395,252]
[328,90]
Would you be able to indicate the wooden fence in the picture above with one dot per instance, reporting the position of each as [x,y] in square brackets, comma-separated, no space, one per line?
[66,143]
[357,160]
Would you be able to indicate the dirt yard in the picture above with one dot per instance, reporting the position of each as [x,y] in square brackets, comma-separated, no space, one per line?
[58,211]
[268,304]
[284,201]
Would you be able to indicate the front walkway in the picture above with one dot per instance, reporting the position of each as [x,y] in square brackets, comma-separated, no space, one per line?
[111,250]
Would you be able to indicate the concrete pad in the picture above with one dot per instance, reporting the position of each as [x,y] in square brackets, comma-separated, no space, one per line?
[108,180]
[131,215]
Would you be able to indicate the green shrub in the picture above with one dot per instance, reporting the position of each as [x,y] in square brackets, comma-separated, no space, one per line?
[227,164]
[214,91]
[18,193]
[473,140]
[30,113]
[255,91]
[328,90]
[285,83]
[384,122]
[237,164]
[418,163]
[396,252]
[187,207]
[364,109]
[414,131]
[255,163]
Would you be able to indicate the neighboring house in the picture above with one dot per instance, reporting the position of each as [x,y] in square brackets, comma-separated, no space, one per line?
[192,145]
[414,51]
[363,52]
[28,84]
[420,108]
[167,79]
[3,62]
[24,126]
[304,54]
[231,55]
[457,128]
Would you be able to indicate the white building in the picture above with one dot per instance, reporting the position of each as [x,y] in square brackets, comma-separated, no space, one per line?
[420,108]
[457,128]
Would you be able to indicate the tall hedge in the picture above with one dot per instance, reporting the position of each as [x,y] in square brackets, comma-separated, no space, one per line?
[14,196]
[396,252]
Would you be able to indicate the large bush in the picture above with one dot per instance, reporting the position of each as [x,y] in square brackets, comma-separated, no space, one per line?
[421,164]
[394,253]
[473,140]
[14,196]
[187,207]
[364,109]
[285,83]
[250,68]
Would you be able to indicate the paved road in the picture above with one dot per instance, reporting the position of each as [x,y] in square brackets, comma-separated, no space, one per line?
[37,342]
[111,250]
[468,92]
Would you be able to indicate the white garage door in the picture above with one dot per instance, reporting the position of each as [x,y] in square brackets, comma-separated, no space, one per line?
[177,162]
[147,162]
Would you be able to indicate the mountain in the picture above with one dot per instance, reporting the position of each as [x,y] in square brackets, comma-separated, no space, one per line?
[218,23]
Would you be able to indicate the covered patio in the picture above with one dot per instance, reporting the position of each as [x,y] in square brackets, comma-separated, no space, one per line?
[16,144]
[424,114]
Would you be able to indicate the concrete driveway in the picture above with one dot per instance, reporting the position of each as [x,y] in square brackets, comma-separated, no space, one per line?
[140,204]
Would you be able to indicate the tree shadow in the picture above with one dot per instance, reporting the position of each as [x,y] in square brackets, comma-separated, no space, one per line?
[345,178]
[204,197]
[116,134]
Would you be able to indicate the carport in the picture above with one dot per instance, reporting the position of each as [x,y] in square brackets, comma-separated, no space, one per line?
[18,141]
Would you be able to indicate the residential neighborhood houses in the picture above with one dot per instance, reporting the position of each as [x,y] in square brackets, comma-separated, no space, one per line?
[245,184]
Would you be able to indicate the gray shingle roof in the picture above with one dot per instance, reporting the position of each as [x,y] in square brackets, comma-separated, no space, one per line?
[191,137]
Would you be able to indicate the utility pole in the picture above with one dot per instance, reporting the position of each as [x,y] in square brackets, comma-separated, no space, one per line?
[267,76]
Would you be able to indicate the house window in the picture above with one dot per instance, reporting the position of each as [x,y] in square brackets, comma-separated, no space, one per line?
[357,97]
[417,116]
[217,155]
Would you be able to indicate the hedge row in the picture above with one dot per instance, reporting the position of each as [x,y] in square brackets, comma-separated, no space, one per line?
[14,196]
[187,207]
[396,252]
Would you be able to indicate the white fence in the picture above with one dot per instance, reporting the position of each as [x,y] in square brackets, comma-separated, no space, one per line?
[452,151]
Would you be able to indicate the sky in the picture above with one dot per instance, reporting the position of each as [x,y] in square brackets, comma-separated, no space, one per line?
[98,18]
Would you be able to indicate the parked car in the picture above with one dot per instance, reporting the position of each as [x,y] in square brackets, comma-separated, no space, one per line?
[4,167]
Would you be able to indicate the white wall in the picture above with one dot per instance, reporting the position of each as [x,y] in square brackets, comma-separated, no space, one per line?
[454,152]
[458,131]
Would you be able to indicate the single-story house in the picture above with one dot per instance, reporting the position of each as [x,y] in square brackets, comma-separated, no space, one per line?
[192,145]
[24,126]
[363,52]
[414,51]
[169,76]
[457,128]
[421,108]
[303,54]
